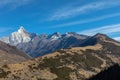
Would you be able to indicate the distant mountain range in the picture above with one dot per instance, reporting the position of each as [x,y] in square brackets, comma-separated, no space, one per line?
[39,45]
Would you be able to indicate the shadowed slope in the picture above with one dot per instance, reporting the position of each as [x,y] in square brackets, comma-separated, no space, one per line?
[112,73]
[10,54]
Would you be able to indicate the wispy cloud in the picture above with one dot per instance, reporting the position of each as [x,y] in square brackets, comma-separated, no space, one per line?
[5,29]
[86,20]
[109,29]
[13,4]
[69,11]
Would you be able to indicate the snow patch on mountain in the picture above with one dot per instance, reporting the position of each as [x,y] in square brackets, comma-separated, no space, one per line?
[55,36]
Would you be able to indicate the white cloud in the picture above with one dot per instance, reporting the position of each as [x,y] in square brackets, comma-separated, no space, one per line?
[117,38]
[109,29]
[70,11]
[13,4]
[86,20]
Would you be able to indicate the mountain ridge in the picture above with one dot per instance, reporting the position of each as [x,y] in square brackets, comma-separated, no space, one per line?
[79,63]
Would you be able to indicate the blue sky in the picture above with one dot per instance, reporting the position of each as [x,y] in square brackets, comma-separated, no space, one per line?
[49,16]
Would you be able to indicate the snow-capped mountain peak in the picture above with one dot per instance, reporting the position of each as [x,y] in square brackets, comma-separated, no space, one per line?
[20,36]
[21,29]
